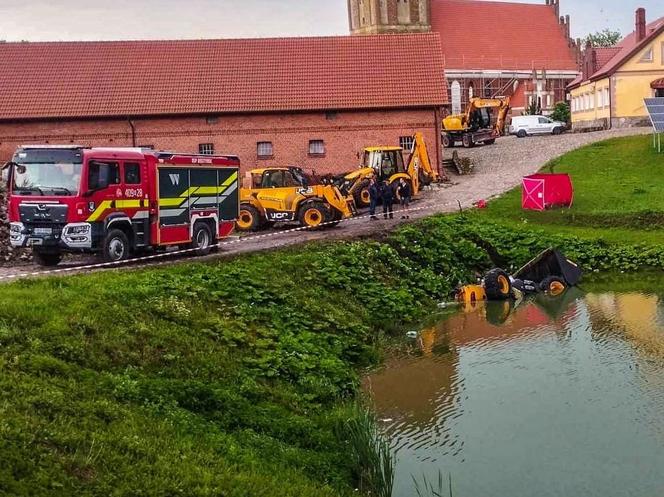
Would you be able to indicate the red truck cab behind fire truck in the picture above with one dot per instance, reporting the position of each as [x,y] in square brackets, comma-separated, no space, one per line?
[118,202]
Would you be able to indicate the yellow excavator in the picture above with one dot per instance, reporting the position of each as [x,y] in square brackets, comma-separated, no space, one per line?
[286,194]
[478,124]
[387,164]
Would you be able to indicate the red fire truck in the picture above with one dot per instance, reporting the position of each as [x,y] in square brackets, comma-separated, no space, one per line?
[118,202]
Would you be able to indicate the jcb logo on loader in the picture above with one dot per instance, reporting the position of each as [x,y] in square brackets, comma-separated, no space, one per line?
[175,179]
[279,216]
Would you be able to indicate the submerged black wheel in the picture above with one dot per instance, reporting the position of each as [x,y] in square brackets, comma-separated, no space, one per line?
[46,259]
[554,286]
[498,285]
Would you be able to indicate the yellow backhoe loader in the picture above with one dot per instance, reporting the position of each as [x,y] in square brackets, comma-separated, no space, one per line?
[387,164]
[285,194]
[478,124]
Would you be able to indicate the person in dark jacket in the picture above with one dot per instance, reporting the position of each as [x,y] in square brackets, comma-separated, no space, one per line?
[387,196]
[374,196]
[405,193]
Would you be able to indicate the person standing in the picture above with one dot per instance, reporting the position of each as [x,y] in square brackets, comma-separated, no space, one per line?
[387,196]
[404,193]
[374,196]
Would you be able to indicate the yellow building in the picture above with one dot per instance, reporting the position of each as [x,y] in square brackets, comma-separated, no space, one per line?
[614,82]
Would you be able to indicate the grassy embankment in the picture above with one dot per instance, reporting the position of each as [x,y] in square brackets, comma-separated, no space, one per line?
[236,378]
[619,188]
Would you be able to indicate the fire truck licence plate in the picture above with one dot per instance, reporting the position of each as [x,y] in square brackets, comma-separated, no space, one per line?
[43,231]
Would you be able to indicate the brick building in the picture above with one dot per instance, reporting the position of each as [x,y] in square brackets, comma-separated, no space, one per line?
[312,102]
[520,50]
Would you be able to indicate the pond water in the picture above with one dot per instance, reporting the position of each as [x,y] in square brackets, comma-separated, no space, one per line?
[554,398]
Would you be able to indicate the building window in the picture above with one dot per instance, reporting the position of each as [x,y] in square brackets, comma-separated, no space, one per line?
[607,97]
[456,97]
[264,150]
[647,56]
[132,173]
[406,142]
[317,148]
[600,98]
[212,120]
[206,148]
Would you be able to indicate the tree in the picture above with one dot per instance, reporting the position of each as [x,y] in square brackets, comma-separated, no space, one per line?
[604,38]
[562,113]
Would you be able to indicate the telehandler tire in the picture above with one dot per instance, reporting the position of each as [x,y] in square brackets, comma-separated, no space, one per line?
[249,218]
[497,285]
[314,215]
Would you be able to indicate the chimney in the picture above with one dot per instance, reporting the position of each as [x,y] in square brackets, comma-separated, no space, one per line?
[640,24]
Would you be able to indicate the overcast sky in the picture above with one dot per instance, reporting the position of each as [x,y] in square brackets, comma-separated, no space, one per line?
[38,20]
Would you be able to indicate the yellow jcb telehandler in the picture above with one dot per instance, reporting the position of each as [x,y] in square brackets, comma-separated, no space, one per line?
[387,164]
[286,194]
[477,124]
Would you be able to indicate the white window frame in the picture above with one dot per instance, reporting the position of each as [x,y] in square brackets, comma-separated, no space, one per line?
[206,149]
[262,149]
[407,142]
[648,56]
[317,147]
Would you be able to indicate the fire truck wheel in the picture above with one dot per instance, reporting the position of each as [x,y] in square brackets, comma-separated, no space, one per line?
[313,215]
[46,259]
[116,246]
[202,239]
[249,219]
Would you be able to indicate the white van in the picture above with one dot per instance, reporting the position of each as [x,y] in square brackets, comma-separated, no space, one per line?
[523,126]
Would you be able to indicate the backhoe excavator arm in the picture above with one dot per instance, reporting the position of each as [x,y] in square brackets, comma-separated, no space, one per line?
[420,161]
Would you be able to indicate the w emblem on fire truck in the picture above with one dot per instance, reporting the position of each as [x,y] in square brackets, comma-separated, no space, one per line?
[175,179]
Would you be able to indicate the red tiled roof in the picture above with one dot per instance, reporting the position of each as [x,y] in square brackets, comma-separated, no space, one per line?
[628,46]
[604,55]
[610,59]
[141,78]
[501,35]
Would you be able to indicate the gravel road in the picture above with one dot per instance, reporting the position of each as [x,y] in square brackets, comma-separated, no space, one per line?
[498,168]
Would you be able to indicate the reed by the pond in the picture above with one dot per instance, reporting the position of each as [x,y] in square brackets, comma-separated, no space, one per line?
[372,456]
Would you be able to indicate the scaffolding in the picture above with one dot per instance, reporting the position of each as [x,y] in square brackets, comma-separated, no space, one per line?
[550,90]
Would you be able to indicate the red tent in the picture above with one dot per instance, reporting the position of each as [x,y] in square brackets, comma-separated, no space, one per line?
[545,191]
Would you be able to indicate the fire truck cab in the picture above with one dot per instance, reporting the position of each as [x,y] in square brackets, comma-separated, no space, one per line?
[118,202]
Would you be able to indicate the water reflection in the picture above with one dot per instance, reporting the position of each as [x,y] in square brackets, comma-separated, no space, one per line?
[556,397]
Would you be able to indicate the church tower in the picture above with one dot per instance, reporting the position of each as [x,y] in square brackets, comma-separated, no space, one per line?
[370,17]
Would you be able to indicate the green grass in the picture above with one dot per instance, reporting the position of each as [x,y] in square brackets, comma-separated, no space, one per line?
[619,186]
[240,377]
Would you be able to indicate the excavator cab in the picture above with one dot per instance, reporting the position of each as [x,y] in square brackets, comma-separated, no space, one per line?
[387,164]
[385,161]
